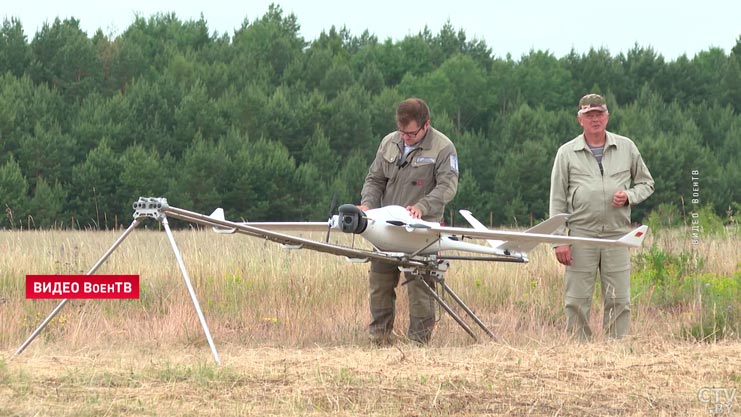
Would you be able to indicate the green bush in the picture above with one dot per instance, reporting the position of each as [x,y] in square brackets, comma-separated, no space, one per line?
[717,314]
[664,216]
[659,278]
[713,301]
[705,222]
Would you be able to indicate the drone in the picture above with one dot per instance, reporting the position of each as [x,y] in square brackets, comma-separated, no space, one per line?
[395,237]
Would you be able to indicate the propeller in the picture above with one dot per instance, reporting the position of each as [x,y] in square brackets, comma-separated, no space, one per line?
[332,208]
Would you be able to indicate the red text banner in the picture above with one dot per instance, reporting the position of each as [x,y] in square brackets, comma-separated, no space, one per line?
[82,286]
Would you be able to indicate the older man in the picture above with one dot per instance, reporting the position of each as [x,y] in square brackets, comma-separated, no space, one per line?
[596,177]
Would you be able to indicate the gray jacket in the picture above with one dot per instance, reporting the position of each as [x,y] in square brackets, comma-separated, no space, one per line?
[427,178]
[579,188]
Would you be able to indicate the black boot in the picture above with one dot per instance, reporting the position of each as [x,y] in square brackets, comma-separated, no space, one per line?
[381,326]
[420,329]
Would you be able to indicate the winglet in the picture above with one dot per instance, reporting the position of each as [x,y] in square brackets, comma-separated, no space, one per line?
[634,238]
[218,214]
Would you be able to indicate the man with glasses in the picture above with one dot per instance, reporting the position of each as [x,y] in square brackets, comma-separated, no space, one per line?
[415,167]
[596,177]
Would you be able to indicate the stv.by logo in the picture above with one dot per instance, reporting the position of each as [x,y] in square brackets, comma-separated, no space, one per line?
[718,400]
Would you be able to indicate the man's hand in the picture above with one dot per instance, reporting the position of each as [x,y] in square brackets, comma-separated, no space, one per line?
[619,199]
[414,211]
[362,207]
[563,254]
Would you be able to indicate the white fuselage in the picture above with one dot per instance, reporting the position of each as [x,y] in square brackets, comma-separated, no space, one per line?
[393,229]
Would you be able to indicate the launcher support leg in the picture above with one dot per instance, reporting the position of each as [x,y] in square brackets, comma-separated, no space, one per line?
[192,293]
[468,311]
[63,302]
[447,309]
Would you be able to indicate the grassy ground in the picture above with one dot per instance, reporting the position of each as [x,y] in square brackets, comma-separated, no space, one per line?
[630,378]
[290,329]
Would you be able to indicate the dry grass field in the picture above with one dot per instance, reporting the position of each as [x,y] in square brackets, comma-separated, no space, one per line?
[290,329]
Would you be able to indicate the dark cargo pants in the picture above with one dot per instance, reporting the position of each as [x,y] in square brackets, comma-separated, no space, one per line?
[382,282]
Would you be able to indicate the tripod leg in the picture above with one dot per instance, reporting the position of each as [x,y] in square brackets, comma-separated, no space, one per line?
[192,293]
[468,310]
[449,310]
[63,302]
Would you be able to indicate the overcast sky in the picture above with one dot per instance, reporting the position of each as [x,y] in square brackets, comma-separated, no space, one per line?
[670,27]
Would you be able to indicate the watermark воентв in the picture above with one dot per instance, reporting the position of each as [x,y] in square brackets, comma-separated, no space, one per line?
[695,228]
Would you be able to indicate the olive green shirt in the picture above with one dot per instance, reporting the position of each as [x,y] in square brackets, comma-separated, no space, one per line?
[579,188]
[427,178]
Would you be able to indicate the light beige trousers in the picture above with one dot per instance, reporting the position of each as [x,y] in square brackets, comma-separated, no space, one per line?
[613,266]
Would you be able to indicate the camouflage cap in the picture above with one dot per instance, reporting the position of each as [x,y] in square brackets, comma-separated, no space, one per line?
[592,102]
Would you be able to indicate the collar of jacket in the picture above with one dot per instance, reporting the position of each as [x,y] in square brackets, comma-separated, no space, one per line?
[581,143]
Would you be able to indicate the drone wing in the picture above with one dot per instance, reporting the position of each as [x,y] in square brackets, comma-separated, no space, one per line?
[633,239]
[218,214]
[220,225]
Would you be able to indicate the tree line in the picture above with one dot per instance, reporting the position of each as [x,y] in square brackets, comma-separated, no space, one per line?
[270,126]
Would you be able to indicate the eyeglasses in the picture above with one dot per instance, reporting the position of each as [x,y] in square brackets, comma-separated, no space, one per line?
[411,134]
[594,115]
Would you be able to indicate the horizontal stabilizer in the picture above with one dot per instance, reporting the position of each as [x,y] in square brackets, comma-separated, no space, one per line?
[635,238]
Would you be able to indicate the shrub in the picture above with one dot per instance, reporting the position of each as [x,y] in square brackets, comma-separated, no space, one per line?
[659,277]
[717,312]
